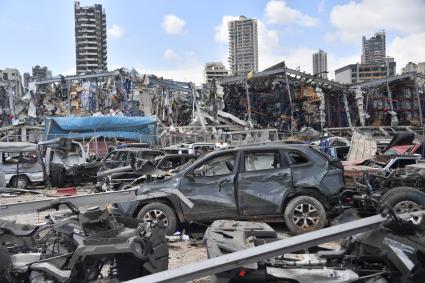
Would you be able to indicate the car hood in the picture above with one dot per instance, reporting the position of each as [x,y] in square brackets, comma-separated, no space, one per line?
[168,184]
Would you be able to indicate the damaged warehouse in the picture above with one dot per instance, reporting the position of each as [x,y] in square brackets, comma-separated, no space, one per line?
[320,103]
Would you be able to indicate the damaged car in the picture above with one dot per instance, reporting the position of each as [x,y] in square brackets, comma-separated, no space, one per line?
[139,170]
[66,161]
[292,182]
[383,164]
[124,156]
[21,163]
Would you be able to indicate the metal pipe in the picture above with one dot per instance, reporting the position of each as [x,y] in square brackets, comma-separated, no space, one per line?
[419,101]
[248,101]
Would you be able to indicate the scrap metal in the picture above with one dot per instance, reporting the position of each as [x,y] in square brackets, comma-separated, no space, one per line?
[269,250]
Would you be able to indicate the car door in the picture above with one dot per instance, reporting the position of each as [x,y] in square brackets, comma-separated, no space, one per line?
[116,159]
[210,187]
[262,183]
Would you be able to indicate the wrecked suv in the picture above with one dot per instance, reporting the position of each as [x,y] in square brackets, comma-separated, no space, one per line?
[295,182]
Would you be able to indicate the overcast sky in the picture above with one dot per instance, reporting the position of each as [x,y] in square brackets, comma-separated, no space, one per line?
[174,39]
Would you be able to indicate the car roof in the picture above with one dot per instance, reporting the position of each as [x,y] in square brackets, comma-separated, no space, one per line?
[181,155]
[134,149]
[265,146]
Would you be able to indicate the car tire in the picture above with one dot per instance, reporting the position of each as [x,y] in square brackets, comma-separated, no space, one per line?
[304,214]
[160,211]
[406,199]
[20,182]
[123,186]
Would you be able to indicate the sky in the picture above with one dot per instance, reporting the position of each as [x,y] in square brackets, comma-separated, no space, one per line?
[175,38]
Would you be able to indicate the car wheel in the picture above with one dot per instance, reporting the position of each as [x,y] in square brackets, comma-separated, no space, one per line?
[20,182]
[404,200]
[304,214]
[160,212]
[123,186]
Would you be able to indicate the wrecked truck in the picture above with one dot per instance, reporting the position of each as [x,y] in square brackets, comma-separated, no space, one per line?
[292,182]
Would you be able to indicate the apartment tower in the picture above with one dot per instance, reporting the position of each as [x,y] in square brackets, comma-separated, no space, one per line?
[374,49]
[90,38]
[243,46]
[320,64]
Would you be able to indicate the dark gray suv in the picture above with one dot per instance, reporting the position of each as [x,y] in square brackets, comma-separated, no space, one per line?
[294,182]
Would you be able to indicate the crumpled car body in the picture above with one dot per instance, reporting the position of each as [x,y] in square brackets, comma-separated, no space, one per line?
[379,163]
[143,168]
[243,183]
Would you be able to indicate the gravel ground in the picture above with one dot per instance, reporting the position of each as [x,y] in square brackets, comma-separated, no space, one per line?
[181,252]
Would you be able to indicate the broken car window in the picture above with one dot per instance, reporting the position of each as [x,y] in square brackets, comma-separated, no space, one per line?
[221,165]
[23,157]
[255,161]
[401,163]
[170,163]
[297,158]
[111,156]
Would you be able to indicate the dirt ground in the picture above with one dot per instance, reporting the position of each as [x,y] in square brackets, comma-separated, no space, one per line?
[181,252]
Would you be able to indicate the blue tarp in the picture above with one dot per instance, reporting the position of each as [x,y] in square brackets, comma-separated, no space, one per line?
[141,129]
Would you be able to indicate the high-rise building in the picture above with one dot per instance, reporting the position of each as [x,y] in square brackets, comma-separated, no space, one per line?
[320,64]
[90,38]
[214,70]
[374,49]
[243,46]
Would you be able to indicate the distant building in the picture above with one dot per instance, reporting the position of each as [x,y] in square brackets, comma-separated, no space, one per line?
[374,49]
[413,67]
[354,73]
[90,38]
[41,73]
[243,45]
[215,70]
[320,64]
[11,78]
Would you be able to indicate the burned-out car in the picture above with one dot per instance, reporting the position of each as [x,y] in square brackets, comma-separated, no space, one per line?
[383,164]
[294,182]
[124,156]
[66,161]
[121,177]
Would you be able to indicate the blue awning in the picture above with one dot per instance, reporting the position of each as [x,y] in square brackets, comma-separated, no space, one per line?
[142,129]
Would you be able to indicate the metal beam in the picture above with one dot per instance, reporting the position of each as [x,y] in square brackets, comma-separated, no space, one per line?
[282,71]
[172,85]
[77,77]
[80,201]
[267,251]
[383,80]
